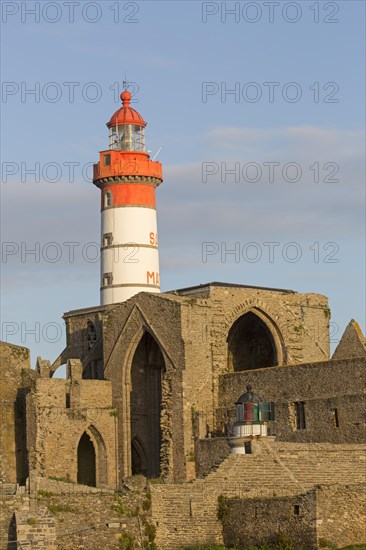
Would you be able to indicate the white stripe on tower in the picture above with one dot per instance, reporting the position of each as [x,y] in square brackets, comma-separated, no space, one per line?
[129,252]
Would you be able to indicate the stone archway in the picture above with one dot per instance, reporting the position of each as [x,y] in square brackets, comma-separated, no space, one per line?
[87,472]
[147,369]
[101,455]
[118,368]
[251,344]
[92,459]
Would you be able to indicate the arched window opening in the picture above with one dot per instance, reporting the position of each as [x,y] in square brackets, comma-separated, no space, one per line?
[250,344]
[86,461]
[145,402]
[91,335]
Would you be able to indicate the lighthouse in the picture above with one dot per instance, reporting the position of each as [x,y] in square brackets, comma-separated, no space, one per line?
[127,179]
[252,417]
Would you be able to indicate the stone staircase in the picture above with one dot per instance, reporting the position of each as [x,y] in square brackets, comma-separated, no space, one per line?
[187,513]
[286,470]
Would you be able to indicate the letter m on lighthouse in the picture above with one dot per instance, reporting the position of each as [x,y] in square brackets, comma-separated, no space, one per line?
[150,278]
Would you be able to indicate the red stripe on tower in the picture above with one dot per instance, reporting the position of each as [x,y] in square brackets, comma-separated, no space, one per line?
[124,194]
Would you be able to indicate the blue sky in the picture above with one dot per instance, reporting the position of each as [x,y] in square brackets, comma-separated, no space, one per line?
[172,54]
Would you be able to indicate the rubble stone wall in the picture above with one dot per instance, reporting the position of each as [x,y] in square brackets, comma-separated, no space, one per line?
[330,390]
[13,360]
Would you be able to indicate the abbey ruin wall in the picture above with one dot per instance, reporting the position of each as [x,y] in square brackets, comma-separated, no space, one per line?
[59,412]
[13,360]
[329,390]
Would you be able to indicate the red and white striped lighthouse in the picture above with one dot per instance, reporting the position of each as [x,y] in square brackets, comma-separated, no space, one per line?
[127,179]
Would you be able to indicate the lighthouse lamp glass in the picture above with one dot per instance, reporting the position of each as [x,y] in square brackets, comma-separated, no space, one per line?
[127,137]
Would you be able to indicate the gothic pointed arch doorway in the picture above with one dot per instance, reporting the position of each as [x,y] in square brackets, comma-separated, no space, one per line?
[251,344]
[86,461]
[145,407]
[92,458]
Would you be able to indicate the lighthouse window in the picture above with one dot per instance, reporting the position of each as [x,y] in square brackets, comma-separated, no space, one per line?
[130,138]
[107,240]
[107,160]
[108,199]
[107,279]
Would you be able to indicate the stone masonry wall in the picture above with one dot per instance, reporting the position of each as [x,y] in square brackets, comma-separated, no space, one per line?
[300,320]
[76,336]
[209,453]
[299,324]
[57,422]
[123,329]
[77,324]
[341,514]
[35,529]
[187,514]
[69,516]
[352,343]
[333,514]
[197,377]
[87,517]
[249,522]
[12,433]
[9,504]
[192,332]
[72,518]
[84,520]
[329,389]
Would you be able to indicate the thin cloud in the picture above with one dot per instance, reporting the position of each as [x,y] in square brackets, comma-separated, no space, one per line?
[317,140]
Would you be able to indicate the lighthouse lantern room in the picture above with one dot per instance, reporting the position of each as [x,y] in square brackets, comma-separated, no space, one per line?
[128,178]
[252,417]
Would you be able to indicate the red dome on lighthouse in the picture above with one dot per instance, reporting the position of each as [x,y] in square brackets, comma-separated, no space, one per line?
[126,115]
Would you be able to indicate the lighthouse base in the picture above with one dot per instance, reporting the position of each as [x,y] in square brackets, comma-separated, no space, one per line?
[247,430]
[244,434]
